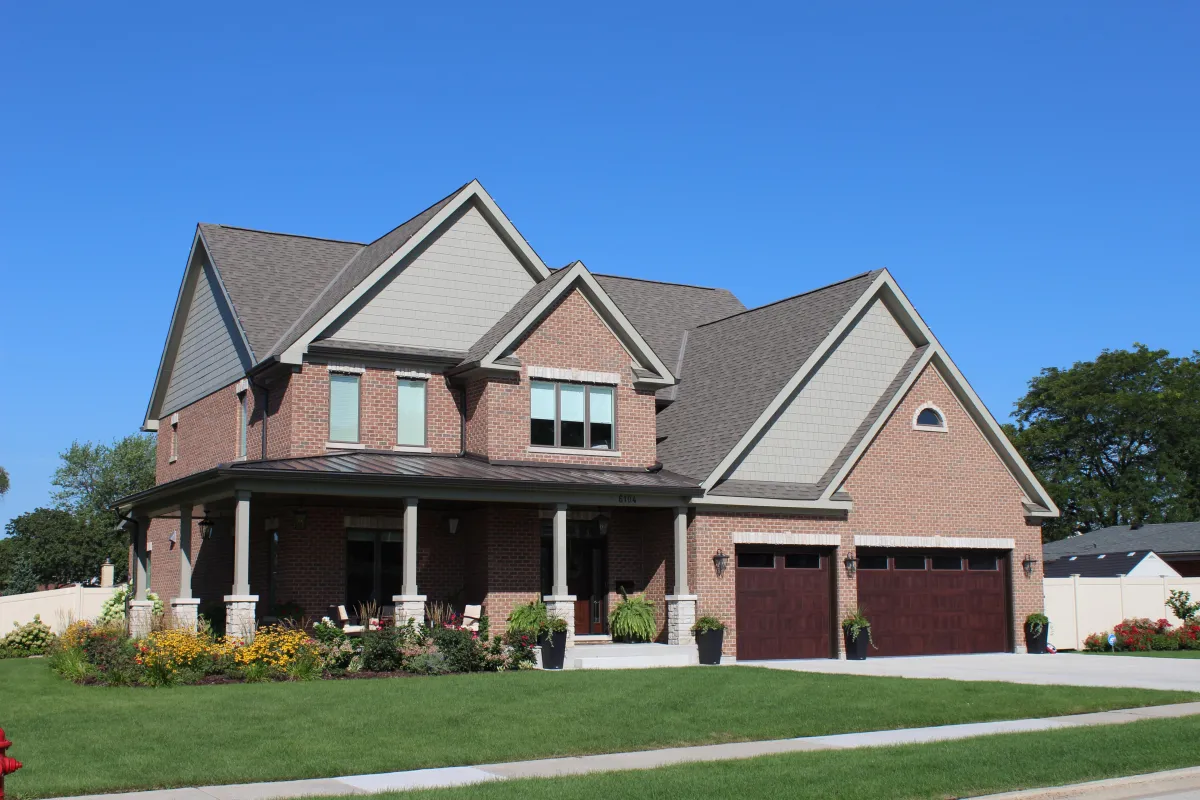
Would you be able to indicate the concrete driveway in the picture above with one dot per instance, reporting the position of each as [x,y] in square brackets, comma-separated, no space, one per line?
[1062,668]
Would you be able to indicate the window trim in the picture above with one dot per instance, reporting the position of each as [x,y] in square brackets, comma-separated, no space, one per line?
[558,446]
[330,441]
[243,432]
[411,447]
[174,452]
[942,428]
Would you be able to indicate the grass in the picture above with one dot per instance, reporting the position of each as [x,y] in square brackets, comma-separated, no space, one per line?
[1146,653]
[965,768]
[80,739]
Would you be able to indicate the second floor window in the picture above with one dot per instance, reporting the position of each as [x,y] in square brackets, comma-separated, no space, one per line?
[343,407]
[410,412]
[571,415]
[243,422]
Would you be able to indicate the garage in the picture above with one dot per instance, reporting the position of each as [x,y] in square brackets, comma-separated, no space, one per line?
[926,603]
[784,601]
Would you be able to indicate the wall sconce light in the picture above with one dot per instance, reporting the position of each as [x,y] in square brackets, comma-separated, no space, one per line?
[721,561]
[452,525]
[206,527]
[1027,565]
[602,524]
[299,519]
[851,565]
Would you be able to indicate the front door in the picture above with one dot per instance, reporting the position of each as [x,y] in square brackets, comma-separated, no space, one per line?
[587,572]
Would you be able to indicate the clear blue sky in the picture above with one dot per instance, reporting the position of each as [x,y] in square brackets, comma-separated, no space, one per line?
[1028,171]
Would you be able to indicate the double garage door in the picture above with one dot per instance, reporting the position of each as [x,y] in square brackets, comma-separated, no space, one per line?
[918,603]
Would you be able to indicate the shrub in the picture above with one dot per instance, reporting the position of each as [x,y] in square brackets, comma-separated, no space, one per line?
[72,664]
[112,654]
[461,649]
[31,639]
[327,633]
[381,649]
[428,663]
[1181,605]
[706,624]
[1096,642]
[73,637]
[1036,623]
[632,619]
[274,648]
[113,609]
[1189,636]
[1165,641]
[1137,633]
[181,650]
[529,618]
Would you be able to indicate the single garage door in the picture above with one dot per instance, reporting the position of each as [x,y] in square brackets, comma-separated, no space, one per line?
[783,604]
[934,602]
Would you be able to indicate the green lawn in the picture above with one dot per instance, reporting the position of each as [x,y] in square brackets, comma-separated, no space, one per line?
[77,739]
[966,768]
[1148,653]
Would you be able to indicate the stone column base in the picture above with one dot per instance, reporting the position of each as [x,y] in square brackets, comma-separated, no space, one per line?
[408,606]
[563,607]
[239,616]
[681,615]
[185,613]
[1020,649]
[140,618]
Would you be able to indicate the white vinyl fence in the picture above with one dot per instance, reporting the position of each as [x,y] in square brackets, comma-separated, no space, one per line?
[1078,606]
[56,607]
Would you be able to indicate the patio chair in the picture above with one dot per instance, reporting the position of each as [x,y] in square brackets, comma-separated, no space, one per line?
[344,621]
[471,617]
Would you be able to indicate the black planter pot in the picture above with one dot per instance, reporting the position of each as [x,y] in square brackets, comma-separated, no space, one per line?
[1036,644]
[856,649]
[554,649]
[709,644]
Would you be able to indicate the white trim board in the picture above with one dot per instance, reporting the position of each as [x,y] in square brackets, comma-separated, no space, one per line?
[768,537]
[953,542]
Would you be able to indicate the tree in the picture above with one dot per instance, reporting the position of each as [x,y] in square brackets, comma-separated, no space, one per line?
[3,481]
[1114,440]
[94,476]
[21,579]
[58,547]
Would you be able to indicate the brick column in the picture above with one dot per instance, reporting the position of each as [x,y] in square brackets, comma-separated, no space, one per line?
[560,603]
[846,587]
[240,605]
[409,604]
[681,606]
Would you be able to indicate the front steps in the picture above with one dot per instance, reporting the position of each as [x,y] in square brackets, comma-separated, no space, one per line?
[630,656]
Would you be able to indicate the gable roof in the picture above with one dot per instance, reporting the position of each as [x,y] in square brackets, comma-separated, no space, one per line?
[1096,565]
[1164,538]
[511,319]
[734,367]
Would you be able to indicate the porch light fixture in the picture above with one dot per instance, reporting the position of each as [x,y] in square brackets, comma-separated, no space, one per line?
[1027,565]
[851,565]
[602,524]
[299,519]
[452,525]
[721,561]
[206,527]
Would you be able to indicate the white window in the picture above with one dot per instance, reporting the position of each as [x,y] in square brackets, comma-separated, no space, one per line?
[243,422]
[410,412]
[929,417]
[343,407]
[571,415]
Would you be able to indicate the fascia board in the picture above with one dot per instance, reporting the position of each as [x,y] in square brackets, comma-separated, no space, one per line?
[183,303]
[823,505]
[294,354]
[793,383]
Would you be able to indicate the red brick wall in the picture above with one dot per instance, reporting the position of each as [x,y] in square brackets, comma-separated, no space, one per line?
[208,435]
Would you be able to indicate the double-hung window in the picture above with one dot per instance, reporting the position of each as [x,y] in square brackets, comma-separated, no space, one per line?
[572,415]
[410,412]
[343,407]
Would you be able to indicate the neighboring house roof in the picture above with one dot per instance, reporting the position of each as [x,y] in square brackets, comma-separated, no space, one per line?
[1164,538]
[734,367]
[1102,565]
[272,278]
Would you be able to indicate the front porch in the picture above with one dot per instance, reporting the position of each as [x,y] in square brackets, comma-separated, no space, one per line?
[264,551]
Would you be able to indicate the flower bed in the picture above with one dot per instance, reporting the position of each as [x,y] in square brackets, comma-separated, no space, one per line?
[1141,634]
[103,654]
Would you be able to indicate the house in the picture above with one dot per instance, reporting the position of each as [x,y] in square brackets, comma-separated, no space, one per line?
[437,416]
[1131,564]
[1177,543]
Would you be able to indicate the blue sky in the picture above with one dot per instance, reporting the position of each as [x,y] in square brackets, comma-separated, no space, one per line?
[1028,171]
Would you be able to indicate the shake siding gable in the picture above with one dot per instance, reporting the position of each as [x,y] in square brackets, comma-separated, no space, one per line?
[803,441]
[446,297]
[210,351]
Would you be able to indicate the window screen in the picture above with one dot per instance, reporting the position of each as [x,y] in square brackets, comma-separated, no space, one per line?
[410,412]
[343,408]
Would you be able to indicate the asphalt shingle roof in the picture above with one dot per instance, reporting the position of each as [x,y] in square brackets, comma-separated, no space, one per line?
[733,368]
[1102,565]
[1163,538]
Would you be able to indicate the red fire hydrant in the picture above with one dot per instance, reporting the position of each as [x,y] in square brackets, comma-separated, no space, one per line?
[7,765]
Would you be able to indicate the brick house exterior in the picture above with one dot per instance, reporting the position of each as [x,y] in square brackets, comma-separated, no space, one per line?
[774,467]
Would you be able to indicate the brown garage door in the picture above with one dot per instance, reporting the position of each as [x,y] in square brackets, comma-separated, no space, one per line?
[783,604]
[934,602]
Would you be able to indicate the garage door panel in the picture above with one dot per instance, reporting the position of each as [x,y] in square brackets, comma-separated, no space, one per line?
[782,611]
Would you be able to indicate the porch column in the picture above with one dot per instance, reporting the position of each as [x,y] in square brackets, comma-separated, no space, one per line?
[183,606]
[240,606]
[409,605]
[140,611]
[681,606]
[560,602]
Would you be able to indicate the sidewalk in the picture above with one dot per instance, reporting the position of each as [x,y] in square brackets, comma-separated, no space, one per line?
[1176,784]
[647,759]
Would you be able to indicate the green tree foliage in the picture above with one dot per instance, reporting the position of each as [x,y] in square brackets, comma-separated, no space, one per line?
[3,481]
[60,547]
[94,476]
[21,578]
[1115,441]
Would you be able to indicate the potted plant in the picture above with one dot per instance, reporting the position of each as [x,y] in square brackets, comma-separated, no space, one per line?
[632,620]
[1037,632]
[552,638]
[710,635]
[856,629]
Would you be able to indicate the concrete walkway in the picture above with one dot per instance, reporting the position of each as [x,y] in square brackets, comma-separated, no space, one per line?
[1176,784]
[647,759]
[1068,669]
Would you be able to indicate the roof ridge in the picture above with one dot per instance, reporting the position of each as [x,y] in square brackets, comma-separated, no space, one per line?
[393,229]
[281,233]
[662,283]
[793,297]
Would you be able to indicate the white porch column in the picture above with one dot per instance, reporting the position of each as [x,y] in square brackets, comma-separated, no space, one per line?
[409,604]
[681,606]
[240,605]
[560,602]
[184,607]
[140,611]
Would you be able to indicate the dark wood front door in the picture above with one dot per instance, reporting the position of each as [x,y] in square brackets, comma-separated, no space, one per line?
[783,604]
[934,602]
[586,580]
